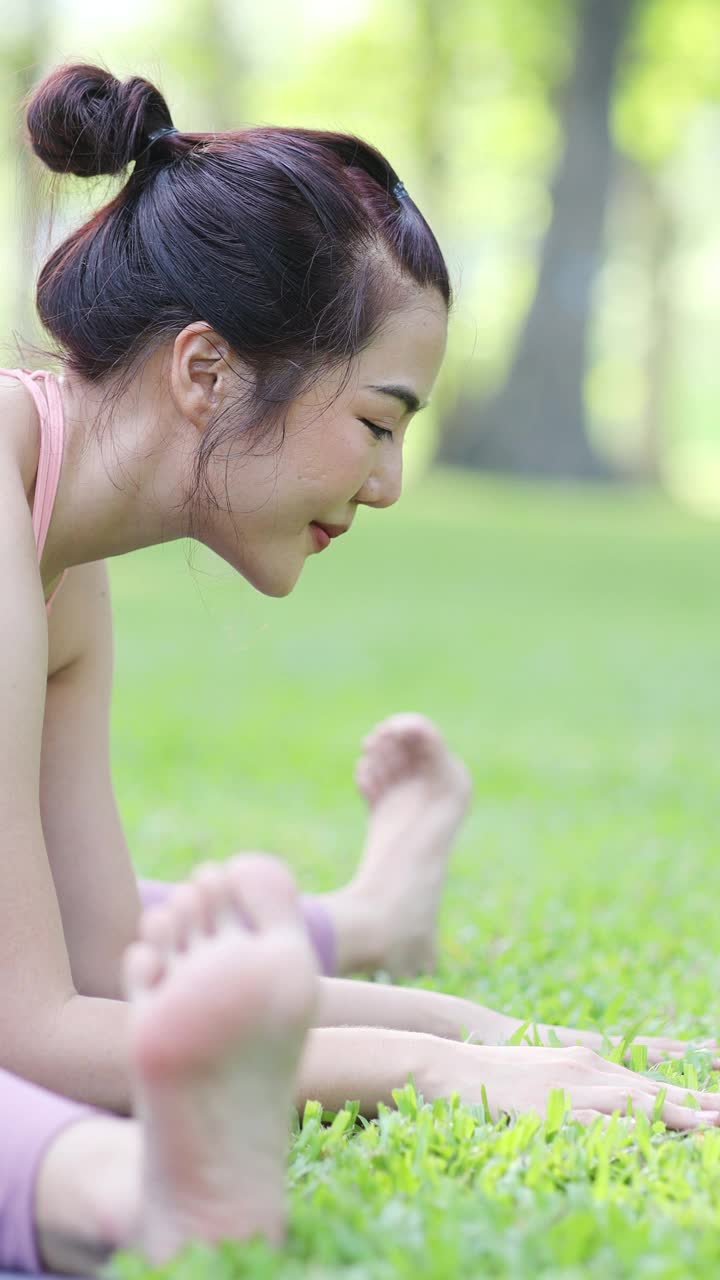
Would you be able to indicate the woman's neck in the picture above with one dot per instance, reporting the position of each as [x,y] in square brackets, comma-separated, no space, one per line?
[121,485]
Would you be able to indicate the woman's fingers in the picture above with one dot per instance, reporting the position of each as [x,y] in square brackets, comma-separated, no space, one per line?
[660,1048]
[587,1116]
[607,1098]
[710,1046]
[678,1117]
[657,1053]
[708,1101]
[674,1092]
[519,1079]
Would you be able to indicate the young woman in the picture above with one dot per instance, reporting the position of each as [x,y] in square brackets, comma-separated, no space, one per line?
[245,332]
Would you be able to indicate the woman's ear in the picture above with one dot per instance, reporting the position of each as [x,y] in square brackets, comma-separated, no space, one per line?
[200,372]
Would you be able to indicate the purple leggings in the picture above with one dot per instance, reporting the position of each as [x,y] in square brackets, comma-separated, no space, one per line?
[31,1118]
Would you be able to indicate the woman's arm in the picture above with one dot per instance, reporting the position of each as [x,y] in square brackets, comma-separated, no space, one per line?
[89,858]
[659,1048]
[77,1048]
[46,1033]
[349,1003]
[345,1003]
[365,1064]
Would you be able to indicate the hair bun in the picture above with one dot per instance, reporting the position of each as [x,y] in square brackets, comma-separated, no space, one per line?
[81,119]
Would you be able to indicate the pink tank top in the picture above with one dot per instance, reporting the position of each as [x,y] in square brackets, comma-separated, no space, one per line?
[45,391]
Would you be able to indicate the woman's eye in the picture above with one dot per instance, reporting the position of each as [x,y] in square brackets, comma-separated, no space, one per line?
[380,433]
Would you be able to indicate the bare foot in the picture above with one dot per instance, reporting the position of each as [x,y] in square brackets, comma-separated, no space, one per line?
[417,793]
[222,988]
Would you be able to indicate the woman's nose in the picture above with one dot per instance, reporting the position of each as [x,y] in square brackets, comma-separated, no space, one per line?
[384,484]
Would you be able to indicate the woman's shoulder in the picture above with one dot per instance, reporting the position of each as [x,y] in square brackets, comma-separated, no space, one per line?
[19,427]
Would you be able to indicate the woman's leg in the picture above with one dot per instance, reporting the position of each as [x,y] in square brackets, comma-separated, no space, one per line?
[87,1194]
[417,794]
[385,918]
[318,922]
[218,1020]
[31,1121]
[154,893]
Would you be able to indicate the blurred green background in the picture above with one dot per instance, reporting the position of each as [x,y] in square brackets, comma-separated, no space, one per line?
[564,150]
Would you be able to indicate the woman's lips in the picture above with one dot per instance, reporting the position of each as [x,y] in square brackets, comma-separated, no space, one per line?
[320,537]
[323,534]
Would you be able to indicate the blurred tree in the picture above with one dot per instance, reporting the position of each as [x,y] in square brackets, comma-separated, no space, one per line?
[660,237]
[197,52]
[633,343]
[207,45]
[25,49]
[434,67]
[536,422]
[666,121]
[464,98]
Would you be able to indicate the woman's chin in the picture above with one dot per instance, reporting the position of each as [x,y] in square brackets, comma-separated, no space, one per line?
[270,579]
[276,590]
[276,581]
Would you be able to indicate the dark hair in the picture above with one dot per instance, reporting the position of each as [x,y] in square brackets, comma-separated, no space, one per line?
[290,243]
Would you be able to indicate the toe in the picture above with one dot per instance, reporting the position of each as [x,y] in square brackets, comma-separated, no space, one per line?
[363,771]
[156,928]
[412,723]
[368,778]
[421,738]
[143,967]
[185,916]
[392,753]
[408,741]
[264,891]
[210,884]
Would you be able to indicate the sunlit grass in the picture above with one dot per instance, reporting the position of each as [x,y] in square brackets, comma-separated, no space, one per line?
[568,645]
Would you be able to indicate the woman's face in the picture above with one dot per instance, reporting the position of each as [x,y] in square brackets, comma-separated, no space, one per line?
[339,452]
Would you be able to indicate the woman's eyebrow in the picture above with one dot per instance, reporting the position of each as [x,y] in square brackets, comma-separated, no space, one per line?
[404,394]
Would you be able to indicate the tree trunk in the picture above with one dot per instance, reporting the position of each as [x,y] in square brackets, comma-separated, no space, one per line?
[536,423]
[434,78]
[661,343]
[27,60]
[227,68]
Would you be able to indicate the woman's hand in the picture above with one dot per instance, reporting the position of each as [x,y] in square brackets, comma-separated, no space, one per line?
[514,1079]
[659,1048]
[487,1026]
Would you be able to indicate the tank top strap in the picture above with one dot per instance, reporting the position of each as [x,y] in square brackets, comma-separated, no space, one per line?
[45,391]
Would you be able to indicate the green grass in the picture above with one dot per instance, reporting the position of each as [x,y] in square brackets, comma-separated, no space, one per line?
[568,645]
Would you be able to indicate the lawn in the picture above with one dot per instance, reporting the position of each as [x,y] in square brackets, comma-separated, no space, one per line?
[568,644]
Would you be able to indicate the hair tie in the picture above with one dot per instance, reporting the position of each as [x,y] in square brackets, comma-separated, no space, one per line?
[161,133]
[400,191]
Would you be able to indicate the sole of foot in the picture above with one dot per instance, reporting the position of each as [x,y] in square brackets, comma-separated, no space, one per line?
[418,793]
[222,987]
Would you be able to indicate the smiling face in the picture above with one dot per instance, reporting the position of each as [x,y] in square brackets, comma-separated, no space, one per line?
[342,448]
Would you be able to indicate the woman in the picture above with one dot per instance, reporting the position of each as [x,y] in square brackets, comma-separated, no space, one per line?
[246,331]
